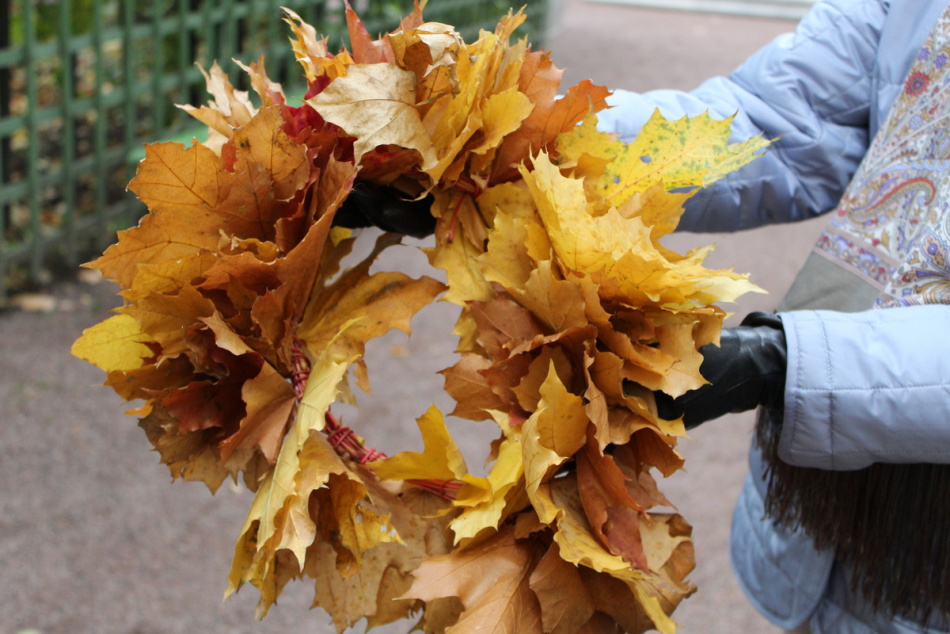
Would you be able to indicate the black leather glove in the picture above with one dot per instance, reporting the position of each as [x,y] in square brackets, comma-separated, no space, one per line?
[746,370]
[376,205]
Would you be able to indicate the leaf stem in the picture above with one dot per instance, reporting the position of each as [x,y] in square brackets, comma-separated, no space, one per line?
[469,189]
[455,216]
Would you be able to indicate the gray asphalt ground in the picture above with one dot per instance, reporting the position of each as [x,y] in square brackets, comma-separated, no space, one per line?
[95,538]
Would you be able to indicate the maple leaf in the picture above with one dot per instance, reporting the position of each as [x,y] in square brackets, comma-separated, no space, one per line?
[469,388]
[181,186]
[558,303]
[270,92]
[551,435]
[578,545]
[279,517]
[117,343]
[365,49]
[372,589]
[262,141]
[486,506]
[687,152]
[268,397]
[469,124]
[566,604]
[193,456]
[539,81]
[440,460]
[230,109]
[458,258]
[171,320]
[483,499]
[376,104]
[430,50]
[614,516]
[309,50]
[492,579]
[506,261]
[529,389]
[502,324]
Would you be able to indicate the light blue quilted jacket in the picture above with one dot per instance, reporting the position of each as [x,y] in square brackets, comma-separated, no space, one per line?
[861,387]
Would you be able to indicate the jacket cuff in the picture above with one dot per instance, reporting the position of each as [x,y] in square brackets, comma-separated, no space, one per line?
[866,387]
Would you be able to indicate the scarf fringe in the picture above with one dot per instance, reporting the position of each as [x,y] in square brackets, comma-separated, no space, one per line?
[889,522]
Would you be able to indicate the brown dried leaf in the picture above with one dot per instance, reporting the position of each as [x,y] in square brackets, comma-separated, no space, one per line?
[472,392]
[566,606]
[492,581]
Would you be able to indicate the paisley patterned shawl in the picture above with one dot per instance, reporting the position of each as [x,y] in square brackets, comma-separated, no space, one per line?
[892,226]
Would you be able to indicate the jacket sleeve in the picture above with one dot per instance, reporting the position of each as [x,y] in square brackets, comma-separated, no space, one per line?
[810,90]
[867,387]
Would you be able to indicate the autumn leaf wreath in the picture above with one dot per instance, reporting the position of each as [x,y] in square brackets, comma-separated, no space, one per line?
[243,321]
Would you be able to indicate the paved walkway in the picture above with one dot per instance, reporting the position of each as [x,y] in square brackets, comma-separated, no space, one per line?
[96,539]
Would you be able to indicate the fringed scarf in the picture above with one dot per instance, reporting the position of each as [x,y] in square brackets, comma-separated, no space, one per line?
[890,523]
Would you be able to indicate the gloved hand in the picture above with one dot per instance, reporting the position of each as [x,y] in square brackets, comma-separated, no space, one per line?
[746,370]
[370,204]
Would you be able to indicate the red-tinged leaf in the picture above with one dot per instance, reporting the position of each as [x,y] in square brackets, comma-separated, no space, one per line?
[641,485]
[612,513]
[364,48]
[269,400]
[204,405]
[540,81]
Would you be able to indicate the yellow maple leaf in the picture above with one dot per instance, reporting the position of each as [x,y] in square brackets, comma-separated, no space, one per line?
[557,303]
[551,435]
[575,539]
[578,545]
[181,186]
[689,152]
[440,460]
[506,260]
[487,502]
[168,318]
[561,418]
[487,67]
[458,258]
[309,50]
[168,276]
[621,250]
[502,114]
[117,343]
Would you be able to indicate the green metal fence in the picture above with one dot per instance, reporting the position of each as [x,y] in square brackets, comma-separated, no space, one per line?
[84,83]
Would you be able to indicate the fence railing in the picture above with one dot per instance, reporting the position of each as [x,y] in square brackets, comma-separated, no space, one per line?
[84,83]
